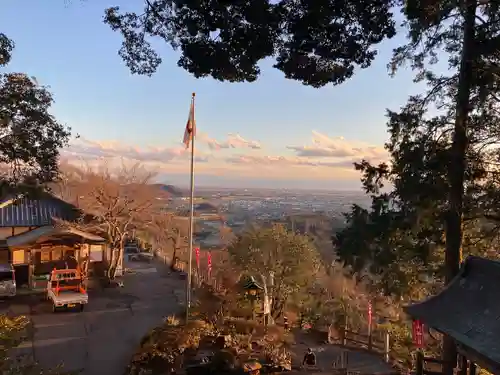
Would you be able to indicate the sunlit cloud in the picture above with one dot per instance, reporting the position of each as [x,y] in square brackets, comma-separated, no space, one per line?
[231,142]
[323,157]
[323,146]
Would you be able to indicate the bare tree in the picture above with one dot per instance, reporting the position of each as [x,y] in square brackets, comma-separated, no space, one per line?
[119,200]
[168,236]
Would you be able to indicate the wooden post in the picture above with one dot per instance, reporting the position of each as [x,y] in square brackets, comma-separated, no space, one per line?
[253,309]
[463,365]
[472,368]
[346,358]
[387,347]
[420,363]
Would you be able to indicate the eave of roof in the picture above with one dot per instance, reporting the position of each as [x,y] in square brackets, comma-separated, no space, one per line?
[32,236]
[468,310]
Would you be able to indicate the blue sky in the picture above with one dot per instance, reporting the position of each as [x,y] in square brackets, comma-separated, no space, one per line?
[66,46]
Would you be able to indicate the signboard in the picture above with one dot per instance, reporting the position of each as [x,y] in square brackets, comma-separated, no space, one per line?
[267,308]
[418,333]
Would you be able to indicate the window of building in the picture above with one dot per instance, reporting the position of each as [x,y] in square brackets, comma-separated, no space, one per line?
[57,253]
[18,257]
[45,256]
[96,253]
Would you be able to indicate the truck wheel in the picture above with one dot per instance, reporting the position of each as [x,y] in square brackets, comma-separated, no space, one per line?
[82,307]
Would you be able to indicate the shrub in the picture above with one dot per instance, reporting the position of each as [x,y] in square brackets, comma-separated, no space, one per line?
[162,349]
[241,326]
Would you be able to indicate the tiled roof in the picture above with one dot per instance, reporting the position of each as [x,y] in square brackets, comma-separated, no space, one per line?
[468,310]
[24,212]
[32,236]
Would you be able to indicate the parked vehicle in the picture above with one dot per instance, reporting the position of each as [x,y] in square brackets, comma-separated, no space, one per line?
[138,255]
[66,289]
[8,286]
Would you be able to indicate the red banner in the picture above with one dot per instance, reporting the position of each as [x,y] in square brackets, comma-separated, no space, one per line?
[197,252]
[209,263]
[418,333]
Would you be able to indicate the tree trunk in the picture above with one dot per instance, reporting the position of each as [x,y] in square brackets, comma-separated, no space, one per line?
[277,307]
[113,263]
[119,261]
[458,166]
[177,245]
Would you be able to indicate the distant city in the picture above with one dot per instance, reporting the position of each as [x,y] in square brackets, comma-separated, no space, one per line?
[237,208]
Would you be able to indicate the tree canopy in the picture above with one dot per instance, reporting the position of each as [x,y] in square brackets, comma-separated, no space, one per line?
[30,137]
[315,42]
[404,234]
[289,256]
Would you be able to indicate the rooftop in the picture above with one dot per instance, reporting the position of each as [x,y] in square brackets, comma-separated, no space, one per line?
[468,310]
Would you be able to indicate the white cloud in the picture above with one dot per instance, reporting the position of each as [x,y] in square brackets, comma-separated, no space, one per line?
[324,146]
[87,149]
[232,141]
[323,157]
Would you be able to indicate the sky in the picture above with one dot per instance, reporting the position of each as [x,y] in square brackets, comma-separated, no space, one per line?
[271,133]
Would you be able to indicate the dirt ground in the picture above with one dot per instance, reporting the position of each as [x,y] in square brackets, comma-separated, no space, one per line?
[359,361]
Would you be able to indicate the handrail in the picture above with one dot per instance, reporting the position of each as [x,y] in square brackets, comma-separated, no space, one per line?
[78,275]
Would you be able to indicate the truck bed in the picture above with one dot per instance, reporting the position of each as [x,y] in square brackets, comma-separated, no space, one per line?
[66,297]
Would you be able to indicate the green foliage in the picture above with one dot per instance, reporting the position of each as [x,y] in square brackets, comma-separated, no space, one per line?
[317,42]
[291,257]
[30,137]
[401,239]
[6,48]
[444,153]
[13,331]
[401,341]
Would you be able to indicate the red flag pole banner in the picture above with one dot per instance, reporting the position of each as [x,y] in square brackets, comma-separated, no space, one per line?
[190,130]
[418,333]
[370,314]
[370,320]
[209,264]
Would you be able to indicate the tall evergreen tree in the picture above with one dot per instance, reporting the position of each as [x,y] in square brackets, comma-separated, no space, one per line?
[444,165]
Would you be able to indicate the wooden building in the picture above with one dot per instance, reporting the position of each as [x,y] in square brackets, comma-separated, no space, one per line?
[468,311]
[33,239]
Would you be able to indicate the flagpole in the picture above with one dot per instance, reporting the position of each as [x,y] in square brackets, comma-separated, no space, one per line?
[191,219]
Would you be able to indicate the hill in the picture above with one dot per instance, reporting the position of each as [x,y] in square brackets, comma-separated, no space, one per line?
[170,189]
[206,207]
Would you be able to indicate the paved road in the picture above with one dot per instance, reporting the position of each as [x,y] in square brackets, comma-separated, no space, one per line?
[102,339]
[359,361]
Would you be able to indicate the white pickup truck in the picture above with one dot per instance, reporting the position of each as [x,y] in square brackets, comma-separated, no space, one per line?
[65,289]
[138,255]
